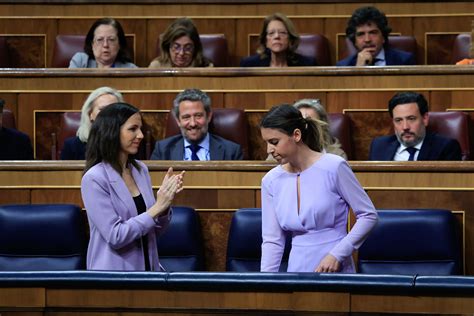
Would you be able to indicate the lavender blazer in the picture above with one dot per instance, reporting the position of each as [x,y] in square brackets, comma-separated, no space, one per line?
[115,227]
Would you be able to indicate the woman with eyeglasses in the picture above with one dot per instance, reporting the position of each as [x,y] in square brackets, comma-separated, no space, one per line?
[278,42]
[180,47]
[105,47]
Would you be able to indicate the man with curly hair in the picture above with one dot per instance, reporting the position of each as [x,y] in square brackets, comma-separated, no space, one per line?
[368,30]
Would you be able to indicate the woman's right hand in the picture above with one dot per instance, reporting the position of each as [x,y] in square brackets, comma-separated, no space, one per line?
[171,185]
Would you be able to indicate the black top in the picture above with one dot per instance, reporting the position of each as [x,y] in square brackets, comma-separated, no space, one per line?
[258,61]
[14,145]
[141,208]
[73,149]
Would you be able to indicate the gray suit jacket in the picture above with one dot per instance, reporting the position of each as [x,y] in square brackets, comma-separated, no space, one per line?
[172,148]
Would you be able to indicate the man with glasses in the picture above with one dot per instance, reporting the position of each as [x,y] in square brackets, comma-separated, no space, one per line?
[192,112]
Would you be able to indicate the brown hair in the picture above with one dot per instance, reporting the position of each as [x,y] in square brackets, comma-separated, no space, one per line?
[293,36]
[179,28]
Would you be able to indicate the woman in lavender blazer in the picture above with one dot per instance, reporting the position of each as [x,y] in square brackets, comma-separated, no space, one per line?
[124,217]
[308,195]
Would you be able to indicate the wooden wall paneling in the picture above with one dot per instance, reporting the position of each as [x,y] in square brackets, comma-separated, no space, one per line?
[31,40]
[57,195]
[257,147]
[243,29]
[145,100]
[26,298]
[15,196]
[334,29]
[215,228]
[29,102]
[458,99]
[439,47]
[154,28]
[366,125]
[430,28]
[338,101]
[26,50]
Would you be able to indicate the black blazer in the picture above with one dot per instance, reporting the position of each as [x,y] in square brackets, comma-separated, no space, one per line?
[257,61]
[73,149]
[435,147]
[14,145]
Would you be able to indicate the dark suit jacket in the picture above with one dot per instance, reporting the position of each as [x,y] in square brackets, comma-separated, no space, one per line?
[172,148]
[257,61]
[73,149]
[393,57]
[14,145]
[435,147]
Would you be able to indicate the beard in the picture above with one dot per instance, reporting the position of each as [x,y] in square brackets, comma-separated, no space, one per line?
[410,143]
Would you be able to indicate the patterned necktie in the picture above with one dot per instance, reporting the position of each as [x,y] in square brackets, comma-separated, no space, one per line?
[412,152]
[194,149]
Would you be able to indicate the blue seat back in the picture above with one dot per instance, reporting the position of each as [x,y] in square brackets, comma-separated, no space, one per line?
[180,247]
[423,241]
[42,237]
[244,246]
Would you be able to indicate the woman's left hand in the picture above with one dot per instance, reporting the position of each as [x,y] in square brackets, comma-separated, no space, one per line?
[329,264]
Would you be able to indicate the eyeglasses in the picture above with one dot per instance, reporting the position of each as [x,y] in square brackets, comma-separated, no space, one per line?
[273,33]
[187,49]
[102,40]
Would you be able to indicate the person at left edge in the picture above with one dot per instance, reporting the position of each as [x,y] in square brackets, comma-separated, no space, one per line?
[14,144]
[105,47]
[124,217]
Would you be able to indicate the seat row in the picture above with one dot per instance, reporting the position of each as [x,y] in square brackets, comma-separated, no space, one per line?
[215,48]
[232,124]
[53,237]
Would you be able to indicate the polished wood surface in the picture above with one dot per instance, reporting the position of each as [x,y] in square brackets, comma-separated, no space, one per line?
[61,300]
[230,185]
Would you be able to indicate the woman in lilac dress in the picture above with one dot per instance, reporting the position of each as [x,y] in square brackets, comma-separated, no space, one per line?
[308,195]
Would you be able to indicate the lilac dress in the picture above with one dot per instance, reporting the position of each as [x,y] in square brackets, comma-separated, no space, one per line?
[327,189]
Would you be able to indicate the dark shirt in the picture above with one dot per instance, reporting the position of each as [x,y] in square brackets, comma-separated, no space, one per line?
[73,149]
[258,61]
[15,145]
[141,208]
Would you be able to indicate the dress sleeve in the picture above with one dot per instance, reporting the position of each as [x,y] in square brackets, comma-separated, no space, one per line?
[366,216]
[273,236]
[114,229]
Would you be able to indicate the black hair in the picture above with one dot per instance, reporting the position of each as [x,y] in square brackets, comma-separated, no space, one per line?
[103,143]
[122,55]
[286,118]
[408,97]
[365,15]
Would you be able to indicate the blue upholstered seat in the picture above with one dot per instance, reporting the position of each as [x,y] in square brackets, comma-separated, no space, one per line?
[42,237]
[245,240]
[424,241]
[180,247]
